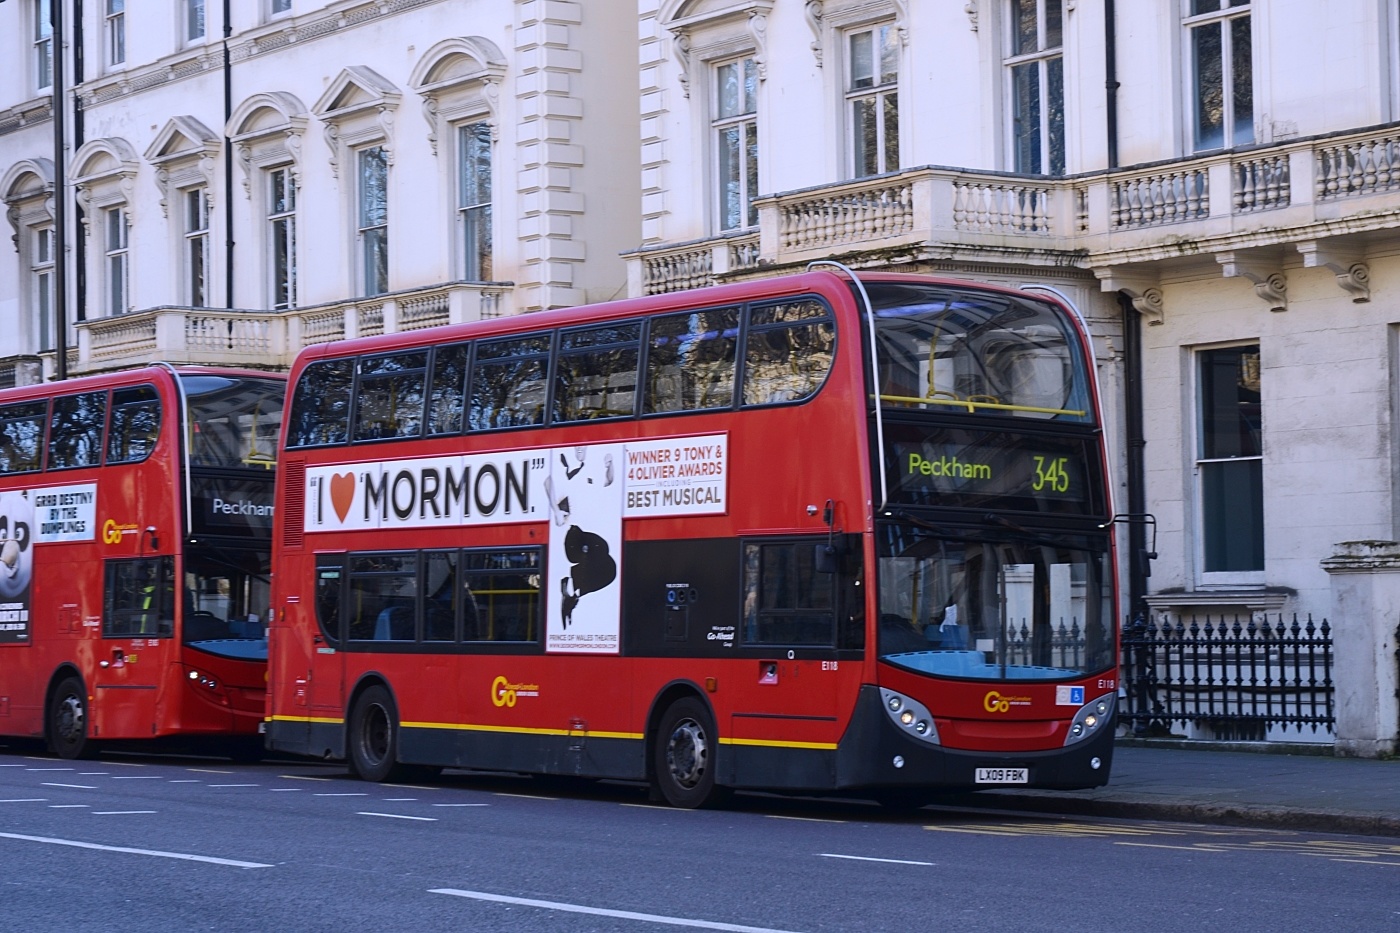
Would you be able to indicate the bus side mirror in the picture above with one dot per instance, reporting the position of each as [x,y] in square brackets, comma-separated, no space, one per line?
[827,557]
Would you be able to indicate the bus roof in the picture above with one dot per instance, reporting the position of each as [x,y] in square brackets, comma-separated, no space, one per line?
[822,281]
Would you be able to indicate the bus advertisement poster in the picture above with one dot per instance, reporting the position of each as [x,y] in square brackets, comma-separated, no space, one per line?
[584,597]
[16,565]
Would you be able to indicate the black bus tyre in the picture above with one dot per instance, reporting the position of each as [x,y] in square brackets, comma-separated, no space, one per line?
[684,766]
[374,736]
[68,728]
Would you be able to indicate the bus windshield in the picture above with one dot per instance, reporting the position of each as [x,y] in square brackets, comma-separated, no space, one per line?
[995,608]
[947,349]
[234,421]
[226,601]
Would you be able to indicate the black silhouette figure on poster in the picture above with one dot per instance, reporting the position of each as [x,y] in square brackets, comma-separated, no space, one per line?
[592,568]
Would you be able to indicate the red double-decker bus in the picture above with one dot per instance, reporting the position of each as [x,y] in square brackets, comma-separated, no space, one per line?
[821,533]
[135,524]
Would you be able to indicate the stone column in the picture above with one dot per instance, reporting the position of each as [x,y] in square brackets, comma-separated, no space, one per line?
[1365,579]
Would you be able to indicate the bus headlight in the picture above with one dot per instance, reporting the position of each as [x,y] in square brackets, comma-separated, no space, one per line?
[1092,718]
[911,716]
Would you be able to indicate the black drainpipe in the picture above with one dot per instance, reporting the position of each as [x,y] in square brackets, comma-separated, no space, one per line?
[228,166]
[60,193]
[80,279]
[1136,444]
[1110,57]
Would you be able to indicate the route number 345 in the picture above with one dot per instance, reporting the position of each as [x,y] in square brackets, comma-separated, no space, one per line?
[1051,474]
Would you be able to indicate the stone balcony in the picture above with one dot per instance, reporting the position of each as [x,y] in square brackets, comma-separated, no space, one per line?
[1318,202]
[271,339]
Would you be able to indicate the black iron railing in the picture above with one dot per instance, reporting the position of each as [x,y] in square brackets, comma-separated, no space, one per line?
[1229,678]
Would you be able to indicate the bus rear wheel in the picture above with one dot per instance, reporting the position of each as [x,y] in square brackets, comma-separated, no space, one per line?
[684,765]
[68,732]
[374,741]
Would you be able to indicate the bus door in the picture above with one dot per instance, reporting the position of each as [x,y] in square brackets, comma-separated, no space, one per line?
[325,661]
[138,622]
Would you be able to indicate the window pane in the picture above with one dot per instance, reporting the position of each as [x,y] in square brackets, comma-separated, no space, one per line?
[1024,33]
[862,61]
[374,174]
[730,177]
[376,261]
[448,392]
[790,603]
[194,19]
[509,383]
[1055,114]
[389,400]
[690,361]
[1231,413]
[1210,94]
[383,597]
[440,596]
[729,101]
[1204,6]
[1054,24]
[1241,81]
[75,430]
[751,169]
[135,426]
[1232,509]
[321,404]
[1025,90]
[889,54]
[22,436]
[866,130]
[785,364]
[503,604]
[891,133]
[237,420]
[139,598]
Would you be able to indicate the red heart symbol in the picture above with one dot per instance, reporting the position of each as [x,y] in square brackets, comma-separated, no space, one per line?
[342,493]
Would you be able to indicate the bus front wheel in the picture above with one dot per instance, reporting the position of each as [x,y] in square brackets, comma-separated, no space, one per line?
[68,729]
[684,766]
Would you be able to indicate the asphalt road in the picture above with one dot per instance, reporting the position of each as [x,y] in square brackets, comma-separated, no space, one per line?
[156,844]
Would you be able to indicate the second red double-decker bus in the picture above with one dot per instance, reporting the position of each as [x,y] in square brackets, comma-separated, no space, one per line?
[135,516]
[820,533]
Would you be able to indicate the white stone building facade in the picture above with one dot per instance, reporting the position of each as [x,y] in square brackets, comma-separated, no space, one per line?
[1214,183]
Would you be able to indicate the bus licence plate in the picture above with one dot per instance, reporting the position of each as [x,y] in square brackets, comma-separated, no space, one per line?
[1003,776]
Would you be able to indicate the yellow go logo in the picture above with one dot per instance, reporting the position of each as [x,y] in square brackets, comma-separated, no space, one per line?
[502,694]
[996,703]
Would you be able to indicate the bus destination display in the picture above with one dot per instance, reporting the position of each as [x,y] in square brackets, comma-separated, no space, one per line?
[975,469]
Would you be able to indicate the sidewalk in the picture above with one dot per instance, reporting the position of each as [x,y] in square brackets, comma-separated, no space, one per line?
[1316,793]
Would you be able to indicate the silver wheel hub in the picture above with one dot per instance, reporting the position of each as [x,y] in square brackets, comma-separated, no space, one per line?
[687,753]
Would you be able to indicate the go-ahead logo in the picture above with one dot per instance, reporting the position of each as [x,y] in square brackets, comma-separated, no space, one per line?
[994,702]
[505,693]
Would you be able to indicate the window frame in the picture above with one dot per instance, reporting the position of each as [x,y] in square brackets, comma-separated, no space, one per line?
[336,574]
[116,259]
[163,567]
[747,169]
[883,94]
[42,270]
[1202,464]
[475,253]
[281,221]
[195,246]
[1045,60]
[114,31]
[373,232]
[194,12]
[1224,16]
[42,45]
